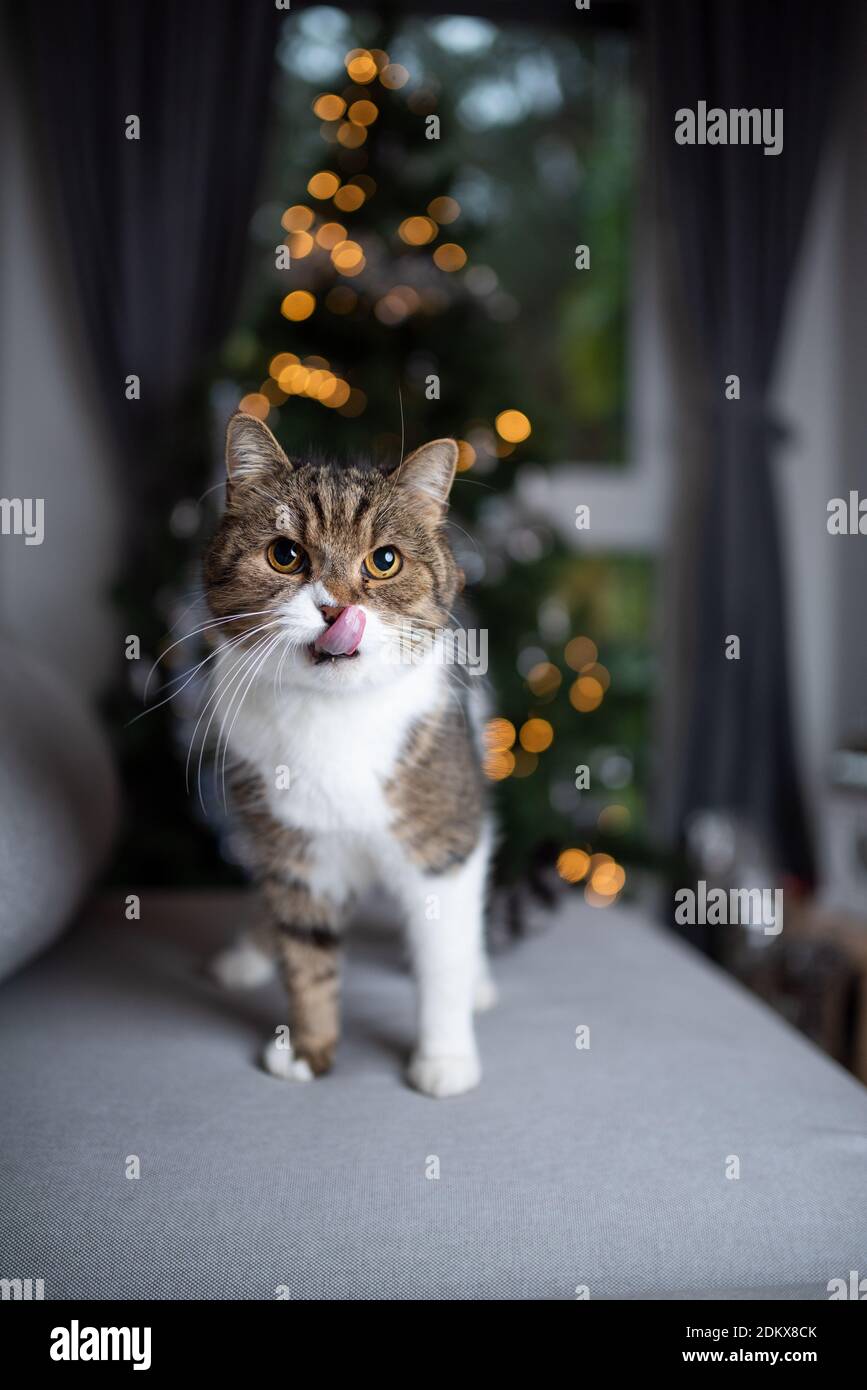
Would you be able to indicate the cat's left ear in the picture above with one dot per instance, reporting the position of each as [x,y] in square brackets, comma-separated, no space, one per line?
[428,474]
[251,449]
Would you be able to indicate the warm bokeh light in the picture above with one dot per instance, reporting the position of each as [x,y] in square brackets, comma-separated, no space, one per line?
[293,379]
[363,112]
[536,735]
[586,694]
[393,76]
[607,879]
[544,678]
[297,218]
[572,864]
[298,305]
[349,198]
[450,257]
[499,733]
[255,404]
[444,210]
[323,185]
[498,764]
[329,234]
[513,426]
[361,65]
[347,256]
[417,231]
[300,244]
[466,455]
[351,136]
[280,362]
[329,107]
[337,395]
[341,299]
[580,652]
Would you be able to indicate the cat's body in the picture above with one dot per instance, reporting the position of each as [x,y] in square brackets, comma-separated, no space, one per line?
[353,760]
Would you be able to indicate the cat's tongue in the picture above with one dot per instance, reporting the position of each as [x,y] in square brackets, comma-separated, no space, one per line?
[344,634]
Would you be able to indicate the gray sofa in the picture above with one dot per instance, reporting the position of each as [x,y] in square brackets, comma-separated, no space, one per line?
[602,1168]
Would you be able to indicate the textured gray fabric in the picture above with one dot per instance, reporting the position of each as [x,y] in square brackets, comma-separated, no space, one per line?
[58,804]
[602,1167]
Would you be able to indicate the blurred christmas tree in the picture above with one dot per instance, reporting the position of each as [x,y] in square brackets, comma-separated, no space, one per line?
[377,308]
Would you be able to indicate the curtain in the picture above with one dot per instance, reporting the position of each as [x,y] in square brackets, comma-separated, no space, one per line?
[739,216]
[156,225]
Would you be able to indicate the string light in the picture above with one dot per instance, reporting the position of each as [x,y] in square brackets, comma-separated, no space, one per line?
[298,305]
[297,218]
[349,198]
[329,107]
[363,112]
[417,231]
[586,694]
[450,257]
[255,404]
[573,864]
[444,210]
[536,735]
[512,425]
[322,185]
[361,65]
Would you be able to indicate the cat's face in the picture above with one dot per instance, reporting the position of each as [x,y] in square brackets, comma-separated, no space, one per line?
[328,567]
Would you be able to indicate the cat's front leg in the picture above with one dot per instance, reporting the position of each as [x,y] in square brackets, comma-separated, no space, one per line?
[308,952]
[445,926]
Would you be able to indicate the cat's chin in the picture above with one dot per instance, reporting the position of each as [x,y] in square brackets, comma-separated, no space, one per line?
[318,658]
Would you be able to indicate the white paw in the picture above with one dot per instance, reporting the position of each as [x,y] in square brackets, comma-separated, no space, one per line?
[484,995]
[445,1076]
[280,1062]
[242,966]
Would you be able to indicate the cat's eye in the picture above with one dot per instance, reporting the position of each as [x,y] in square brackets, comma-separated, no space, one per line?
[383,562]
[285,556]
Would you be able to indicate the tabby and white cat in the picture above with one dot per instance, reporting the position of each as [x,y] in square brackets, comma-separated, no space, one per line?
[355,758]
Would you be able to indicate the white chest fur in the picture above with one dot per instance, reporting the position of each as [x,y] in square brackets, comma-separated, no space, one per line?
[325,758]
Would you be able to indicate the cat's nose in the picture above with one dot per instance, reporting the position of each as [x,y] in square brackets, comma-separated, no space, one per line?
[331,612]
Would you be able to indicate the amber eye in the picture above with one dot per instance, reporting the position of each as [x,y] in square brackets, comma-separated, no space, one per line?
[285,556]
[383,562]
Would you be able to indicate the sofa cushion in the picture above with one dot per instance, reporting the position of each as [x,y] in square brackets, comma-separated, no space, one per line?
[58,803]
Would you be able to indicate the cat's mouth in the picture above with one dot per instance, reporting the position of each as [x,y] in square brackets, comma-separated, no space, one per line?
[320,658]
[341,638]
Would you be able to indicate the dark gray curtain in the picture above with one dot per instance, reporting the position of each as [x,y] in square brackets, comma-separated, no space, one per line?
[156,227]
[739,216]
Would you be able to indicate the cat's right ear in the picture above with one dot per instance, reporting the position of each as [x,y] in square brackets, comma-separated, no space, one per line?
[251,450]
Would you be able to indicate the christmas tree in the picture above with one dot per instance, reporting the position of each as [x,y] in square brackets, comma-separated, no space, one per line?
[377,325]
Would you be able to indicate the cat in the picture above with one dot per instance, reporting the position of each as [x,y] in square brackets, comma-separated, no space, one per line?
[355,754]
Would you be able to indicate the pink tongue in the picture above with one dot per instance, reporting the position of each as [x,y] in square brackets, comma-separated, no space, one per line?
[344,634]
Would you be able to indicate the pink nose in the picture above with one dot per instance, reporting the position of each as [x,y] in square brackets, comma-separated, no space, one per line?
[344,632]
